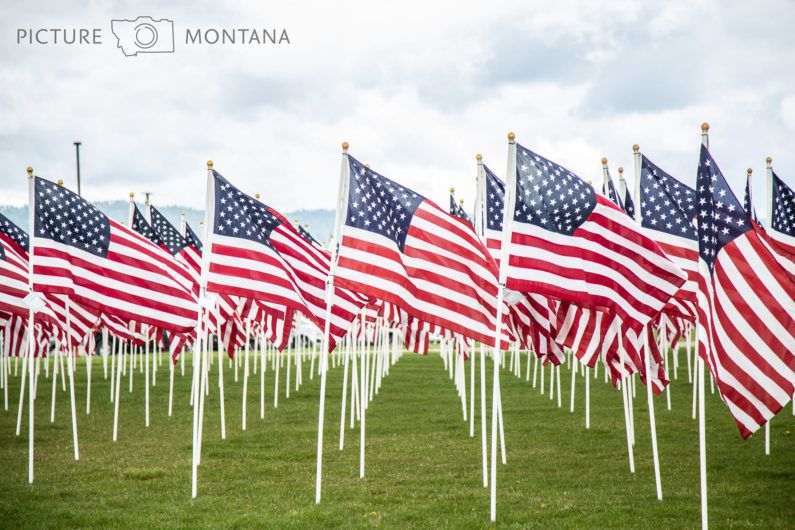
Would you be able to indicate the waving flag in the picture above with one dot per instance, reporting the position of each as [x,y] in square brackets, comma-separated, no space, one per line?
[626,203]
[668,209]
[493,213]
[782,222]
[13,268]
[303,232]
[399,247]
[748,204]
[608,188]
[457,208]
[746,306]
[99,263]
[532,316]
[570,243]
[256,253]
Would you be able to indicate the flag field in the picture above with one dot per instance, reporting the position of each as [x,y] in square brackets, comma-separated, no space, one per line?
[423,469]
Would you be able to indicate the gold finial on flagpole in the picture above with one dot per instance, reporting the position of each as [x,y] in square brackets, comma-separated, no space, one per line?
[452,190]
[209,164]
[590,182]
[256,196]
[635,148]
[461,202]
[345,146]
[620,170]
[132,195]
[749,171]
[604,162]
[705,127]
[768,160]
[60,182]
[511,137]
[30,171]
[479,157]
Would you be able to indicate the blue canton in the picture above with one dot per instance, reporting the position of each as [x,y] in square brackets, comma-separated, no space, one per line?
[783,218]
[168,234]
[379,205]
[666,204]
[64,217]
[14,232]
[495,199]
[550,196]
[240,215]
[721,218]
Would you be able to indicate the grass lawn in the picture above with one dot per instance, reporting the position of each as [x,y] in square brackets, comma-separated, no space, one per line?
[423,469]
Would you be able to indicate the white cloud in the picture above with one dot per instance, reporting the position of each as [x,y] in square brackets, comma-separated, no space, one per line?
[417,88]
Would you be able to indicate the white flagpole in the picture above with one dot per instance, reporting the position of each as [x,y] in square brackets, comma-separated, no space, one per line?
[346,362]
[508,209]
[245,372]
[199,362]
[340,206]
[625,381]
[646,360]
[702,443]
[71,377]
[480,205]
[767,224]
[31,341]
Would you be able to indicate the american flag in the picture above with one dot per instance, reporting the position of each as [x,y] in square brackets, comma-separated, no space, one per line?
[457,208]
[493,213]
[746,305]
[782,222]
[99,263]
[185,251]
[400,247]
[306,235]
[533,315]
[166,232]
[13,268]
[748,203]
[627,203]
[256,253]
[570,243]
[609,189]
[668,210]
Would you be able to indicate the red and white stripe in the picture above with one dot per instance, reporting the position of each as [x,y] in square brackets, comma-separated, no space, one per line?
[137,280]
[291,272]
[746,330]
[444,275]
[608,261]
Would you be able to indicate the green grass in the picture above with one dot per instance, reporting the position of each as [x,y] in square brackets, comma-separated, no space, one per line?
[423,469]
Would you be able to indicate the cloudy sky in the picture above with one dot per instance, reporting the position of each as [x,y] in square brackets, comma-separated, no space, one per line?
[417,88]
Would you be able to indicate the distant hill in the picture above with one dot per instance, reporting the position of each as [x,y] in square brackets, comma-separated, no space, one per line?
[321,222]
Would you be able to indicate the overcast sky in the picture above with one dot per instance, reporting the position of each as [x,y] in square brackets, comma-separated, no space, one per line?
[417,88]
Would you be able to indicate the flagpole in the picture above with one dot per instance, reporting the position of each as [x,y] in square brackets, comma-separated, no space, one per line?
[767,224]
[626,396]
[199,363]
[508,208]
[702,443]
[480,205]
[646,360]
[341,194]
[31,227]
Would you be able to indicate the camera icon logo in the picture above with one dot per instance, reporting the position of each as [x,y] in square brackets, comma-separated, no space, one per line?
[143,35]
